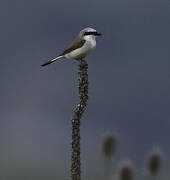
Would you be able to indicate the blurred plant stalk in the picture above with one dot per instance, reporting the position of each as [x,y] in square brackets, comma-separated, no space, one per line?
[109,146]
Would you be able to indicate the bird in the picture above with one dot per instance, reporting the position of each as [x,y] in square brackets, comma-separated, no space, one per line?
[81,47]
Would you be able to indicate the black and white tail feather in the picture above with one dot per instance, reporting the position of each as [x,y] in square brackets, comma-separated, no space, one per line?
[52,60]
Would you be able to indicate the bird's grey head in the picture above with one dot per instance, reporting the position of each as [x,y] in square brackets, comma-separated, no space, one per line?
[88,32]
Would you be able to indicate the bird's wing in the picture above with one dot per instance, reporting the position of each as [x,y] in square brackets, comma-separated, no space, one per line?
[77,43]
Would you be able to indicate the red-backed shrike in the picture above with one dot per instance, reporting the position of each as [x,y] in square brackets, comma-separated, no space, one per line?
[82,46]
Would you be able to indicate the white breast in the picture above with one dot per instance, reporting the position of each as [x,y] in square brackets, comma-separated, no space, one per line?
[82,52]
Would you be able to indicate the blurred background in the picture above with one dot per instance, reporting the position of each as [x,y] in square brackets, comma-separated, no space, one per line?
[129,90]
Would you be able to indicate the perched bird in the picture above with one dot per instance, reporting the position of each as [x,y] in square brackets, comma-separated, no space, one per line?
[82,46]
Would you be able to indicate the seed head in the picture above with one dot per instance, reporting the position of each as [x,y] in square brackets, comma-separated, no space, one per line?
[109,145]
[154,161]
[125,171]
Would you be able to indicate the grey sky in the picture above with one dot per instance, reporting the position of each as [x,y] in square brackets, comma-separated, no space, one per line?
[128,73]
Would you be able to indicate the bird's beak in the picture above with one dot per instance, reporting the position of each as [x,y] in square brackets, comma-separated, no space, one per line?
[98,34]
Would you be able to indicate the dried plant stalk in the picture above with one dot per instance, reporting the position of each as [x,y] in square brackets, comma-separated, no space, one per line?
[78,112]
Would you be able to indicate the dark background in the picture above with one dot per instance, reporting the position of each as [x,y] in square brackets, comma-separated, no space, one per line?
[129,84]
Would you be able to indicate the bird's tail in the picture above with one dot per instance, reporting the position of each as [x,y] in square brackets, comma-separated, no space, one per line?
[52,60]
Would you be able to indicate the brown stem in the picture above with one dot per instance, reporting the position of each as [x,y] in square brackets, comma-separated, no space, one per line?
[78,112]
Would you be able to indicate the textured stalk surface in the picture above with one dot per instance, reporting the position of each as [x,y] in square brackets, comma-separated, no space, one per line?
[75,121]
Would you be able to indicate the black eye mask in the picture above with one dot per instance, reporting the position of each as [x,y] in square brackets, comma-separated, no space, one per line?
[95,33]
